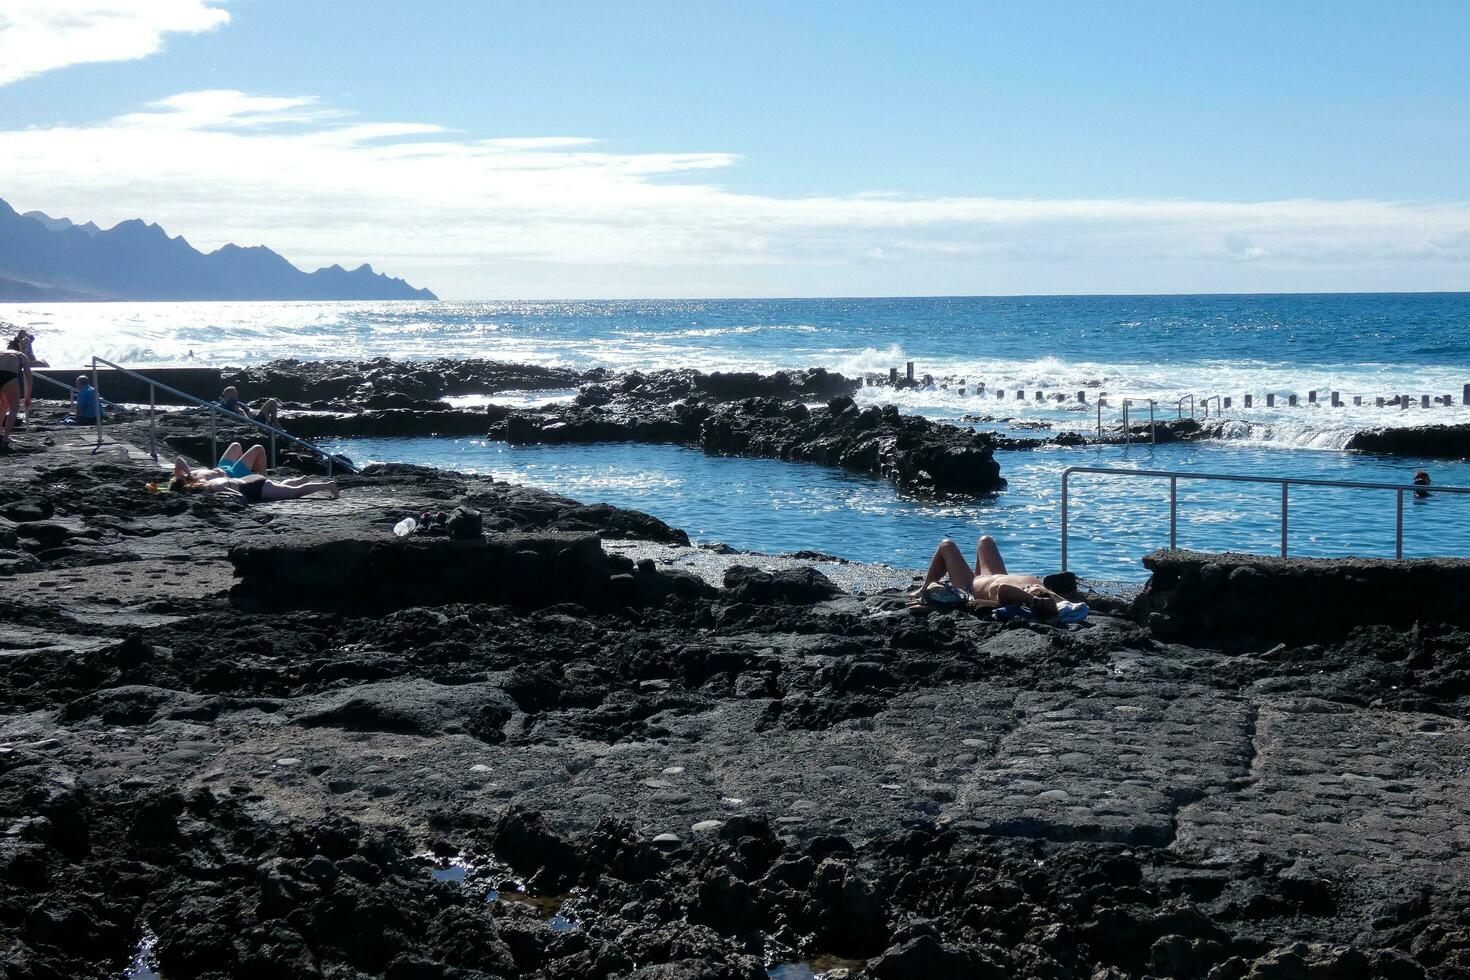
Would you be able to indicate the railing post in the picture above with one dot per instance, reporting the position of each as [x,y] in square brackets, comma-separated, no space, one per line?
[1065,475]
[153,421]
[1398,537]
[1153,436]
[1127,433]
[1284,485]
[1173,513]
[1099,419]
[97,408]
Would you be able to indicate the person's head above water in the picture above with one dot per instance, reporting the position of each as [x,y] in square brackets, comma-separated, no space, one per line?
[1421,477]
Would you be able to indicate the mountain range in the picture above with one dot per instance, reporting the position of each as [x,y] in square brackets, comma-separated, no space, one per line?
[45,258]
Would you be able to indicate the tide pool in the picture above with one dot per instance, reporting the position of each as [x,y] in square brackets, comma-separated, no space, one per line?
[775,506]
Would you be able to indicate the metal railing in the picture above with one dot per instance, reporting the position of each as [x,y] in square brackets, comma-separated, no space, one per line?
[1283,482]
[215,411]
[69,389]
[1179,406]
[1128,432]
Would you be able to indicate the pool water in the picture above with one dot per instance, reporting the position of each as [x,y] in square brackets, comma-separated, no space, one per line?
[775,506]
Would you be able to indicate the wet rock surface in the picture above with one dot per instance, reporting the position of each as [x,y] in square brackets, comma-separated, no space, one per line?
[681,777]
[1442,441]
[916,454]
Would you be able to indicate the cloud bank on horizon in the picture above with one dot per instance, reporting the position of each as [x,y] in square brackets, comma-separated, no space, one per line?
[559,216]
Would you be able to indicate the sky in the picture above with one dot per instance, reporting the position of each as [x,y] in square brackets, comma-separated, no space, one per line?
[700,148]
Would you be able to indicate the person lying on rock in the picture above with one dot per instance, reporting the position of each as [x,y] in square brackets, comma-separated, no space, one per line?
[989,581]
[240,465]
[229,400]
[254,488]
[240,462]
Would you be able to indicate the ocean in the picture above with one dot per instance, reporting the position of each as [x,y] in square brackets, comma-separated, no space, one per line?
[1145,347]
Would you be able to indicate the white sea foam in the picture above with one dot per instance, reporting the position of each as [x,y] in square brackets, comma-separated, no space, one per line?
[143,334]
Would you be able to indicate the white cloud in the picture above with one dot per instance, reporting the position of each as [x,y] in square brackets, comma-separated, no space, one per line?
[564,216]
[39,35]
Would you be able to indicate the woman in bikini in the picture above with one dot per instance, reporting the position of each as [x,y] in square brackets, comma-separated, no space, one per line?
[15,379]
[989,581]
[253,489]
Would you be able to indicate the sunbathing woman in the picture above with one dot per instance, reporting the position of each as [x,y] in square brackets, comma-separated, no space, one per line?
[989,581]
[253,488]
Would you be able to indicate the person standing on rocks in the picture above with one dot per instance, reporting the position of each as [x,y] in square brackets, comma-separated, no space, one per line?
[15,379]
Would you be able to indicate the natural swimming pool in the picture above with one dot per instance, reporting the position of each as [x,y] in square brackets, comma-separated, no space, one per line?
[776,506]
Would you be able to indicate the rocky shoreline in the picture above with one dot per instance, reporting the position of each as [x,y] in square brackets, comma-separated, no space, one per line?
[521,753]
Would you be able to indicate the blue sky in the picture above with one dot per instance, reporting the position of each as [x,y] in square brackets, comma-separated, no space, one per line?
[740,148]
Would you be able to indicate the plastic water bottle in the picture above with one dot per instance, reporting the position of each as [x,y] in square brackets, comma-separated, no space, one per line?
[405,527]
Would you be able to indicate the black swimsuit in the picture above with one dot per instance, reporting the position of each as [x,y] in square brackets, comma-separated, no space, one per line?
[252,487]
[8,376]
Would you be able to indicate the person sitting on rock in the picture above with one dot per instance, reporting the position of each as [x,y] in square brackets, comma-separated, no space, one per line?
[229,400]
[88,404]
[253,488]
[989,581]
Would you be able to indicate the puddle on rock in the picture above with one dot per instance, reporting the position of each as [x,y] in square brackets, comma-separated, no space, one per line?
[459,870]
[144,964]
[823,967]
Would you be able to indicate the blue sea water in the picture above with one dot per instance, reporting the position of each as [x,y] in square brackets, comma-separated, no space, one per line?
[1163,348]
[776,506]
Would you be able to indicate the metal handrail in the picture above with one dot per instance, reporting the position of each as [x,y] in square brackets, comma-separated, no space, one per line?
[215,411]
[1175,476]
[69,389]
[1179,406]
[1127,432]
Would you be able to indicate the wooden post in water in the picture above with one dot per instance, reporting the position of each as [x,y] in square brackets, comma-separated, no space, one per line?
[1082,398]
[909,372]
[1291,400]
[1379,403]
[1248,399]
[1312,397]
[893,376]
[1337,399]
[1040,397]
[1465,396]
[1270,401]
[1226,402]
[1357,399]
[1423,401]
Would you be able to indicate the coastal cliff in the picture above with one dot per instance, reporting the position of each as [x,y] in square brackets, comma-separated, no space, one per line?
[43,258]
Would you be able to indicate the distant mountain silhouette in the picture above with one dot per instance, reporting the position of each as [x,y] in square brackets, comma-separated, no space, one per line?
[55,258]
